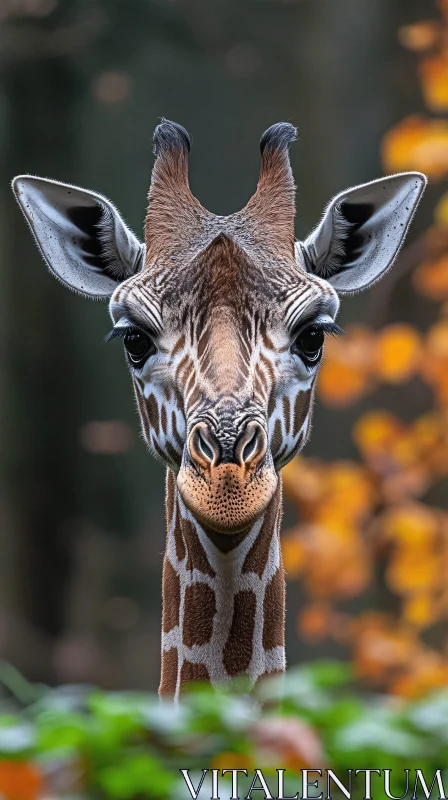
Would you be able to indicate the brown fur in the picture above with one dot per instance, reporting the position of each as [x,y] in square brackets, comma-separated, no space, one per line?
[198,626]
[169,672]
[301,408]
[197,558]
[238,648]
[179,539]
[171,597]
[274,611]
[257,556]
[193,672]
[277,439]
[170,200]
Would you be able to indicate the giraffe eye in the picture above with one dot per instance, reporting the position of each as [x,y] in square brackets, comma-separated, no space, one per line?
[308,345]
[138,347]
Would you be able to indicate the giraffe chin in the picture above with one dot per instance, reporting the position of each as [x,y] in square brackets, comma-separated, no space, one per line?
[227,499]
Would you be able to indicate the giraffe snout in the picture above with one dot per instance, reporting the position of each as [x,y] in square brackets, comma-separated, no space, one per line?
[247,451]
[227,481]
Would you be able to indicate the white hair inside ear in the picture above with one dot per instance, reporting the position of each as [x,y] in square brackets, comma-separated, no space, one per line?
[82,237]
[362,231]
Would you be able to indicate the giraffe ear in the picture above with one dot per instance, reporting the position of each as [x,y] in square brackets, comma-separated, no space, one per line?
[81,236]
[362,231]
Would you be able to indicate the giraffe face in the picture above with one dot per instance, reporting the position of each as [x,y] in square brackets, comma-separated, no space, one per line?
[224,351]
[222,317]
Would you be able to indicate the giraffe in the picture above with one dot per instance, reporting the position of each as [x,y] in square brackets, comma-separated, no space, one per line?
[223,320]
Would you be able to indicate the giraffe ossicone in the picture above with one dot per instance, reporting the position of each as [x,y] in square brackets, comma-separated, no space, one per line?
[223,321]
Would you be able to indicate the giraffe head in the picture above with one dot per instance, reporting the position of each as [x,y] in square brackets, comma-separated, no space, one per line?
[223,318]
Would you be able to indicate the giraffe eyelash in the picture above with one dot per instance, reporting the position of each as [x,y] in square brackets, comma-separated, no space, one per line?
[329,328]
[121,332]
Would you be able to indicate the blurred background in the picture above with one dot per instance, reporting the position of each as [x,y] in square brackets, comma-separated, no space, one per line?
[82,85]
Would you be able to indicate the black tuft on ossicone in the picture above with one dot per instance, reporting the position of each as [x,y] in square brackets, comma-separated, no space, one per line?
[169,136]
[278,137]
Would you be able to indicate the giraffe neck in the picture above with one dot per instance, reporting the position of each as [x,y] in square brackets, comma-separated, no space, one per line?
[223,599]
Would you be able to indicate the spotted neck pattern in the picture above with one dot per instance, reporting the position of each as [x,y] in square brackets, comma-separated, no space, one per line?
[223,601]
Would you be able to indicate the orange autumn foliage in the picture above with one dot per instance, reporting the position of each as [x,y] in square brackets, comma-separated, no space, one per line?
[431,278]
[355,364]
[381,647]
[20,780]
[417,144]
[370,519]
[377,434]
[428,673]
[434,368]
[345,373]
[412,570]
[418,609]
[410,525]
[314,622]
[341,383]
[419,37]
[441,212]
[434,81]
[397,356]
[327,544]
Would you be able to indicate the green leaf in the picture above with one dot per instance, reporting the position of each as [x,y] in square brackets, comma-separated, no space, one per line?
[139,775]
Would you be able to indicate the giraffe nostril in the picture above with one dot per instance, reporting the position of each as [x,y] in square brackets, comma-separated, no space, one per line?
[252,444]
[249,447]
[203,446]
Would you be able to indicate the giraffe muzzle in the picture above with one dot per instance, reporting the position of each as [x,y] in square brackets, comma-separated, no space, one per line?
[227,488]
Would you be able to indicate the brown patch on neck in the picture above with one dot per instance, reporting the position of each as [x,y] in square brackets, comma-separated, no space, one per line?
[169,673]
[274,612]
[193,672]
[238,649]
[172,509]
[258,555]
[197,557]
[169,495]
[178,538]
[198,626]
[171,597]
